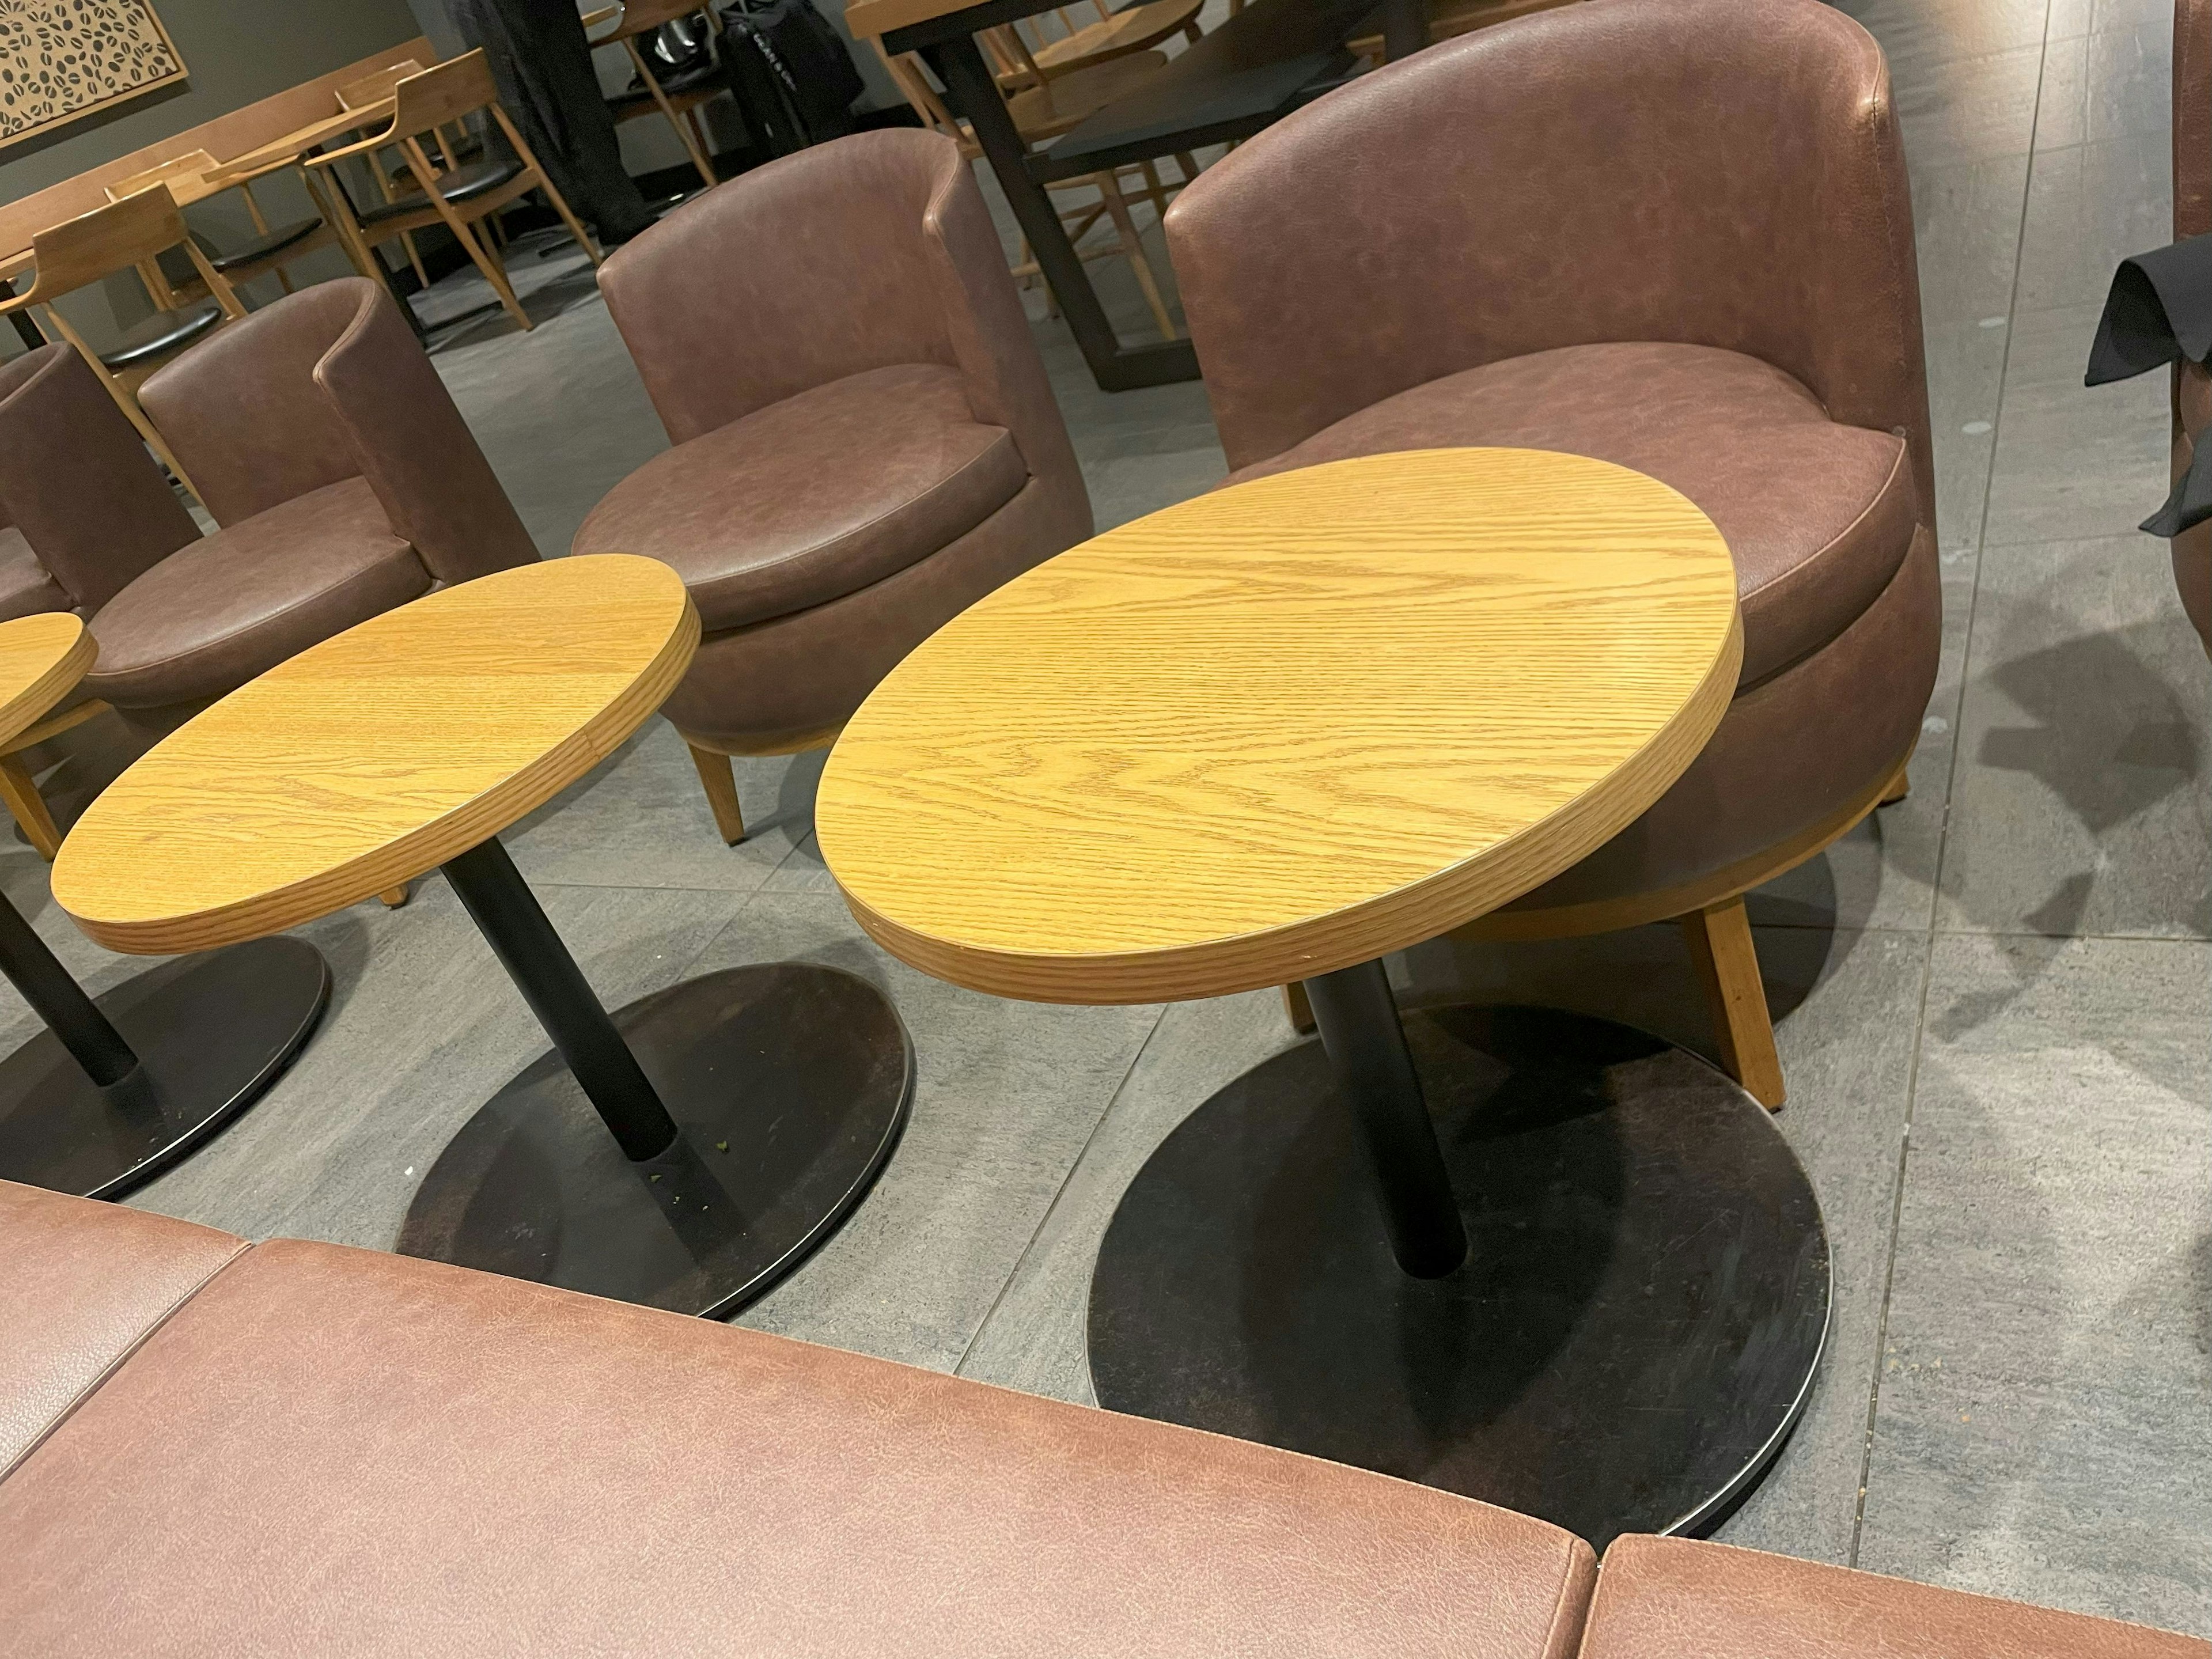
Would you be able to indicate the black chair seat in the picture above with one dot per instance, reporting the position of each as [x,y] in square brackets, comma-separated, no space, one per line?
[163,332]
[707,77]
[261,247]
[461,185]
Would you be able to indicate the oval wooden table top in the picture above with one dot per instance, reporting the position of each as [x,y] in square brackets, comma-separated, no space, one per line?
[378,755]
[1284,728]
[41,660]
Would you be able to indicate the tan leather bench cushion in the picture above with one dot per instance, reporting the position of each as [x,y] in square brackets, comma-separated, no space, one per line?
[334,1451]
[1669,1598]
[80,1284]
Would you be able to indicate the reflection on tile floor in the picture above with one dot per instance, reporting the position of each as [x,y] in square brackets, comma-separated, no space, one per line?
[1992,998]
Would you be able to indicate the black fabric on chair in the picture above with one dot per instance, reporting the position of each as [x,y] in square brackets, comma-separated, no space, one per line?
[261,246]
[163,332]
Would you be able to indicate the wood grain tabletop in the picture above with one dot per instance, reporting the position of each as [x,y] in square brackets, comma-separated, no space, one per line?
[373,758]
[1285,727]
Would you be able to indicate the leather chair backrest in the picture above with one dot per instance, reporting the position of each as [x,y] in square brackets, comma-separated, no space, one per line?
[1723,172]
[325,385]
[78,482]
[867,251]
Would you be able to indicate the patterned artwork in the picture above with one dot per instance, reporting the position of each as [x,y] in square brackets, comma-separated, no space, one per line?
[60,59]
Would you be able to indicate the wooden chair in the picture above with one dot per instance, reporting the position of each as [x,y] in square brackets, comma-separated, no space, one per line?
[172,282]
[906,71]
[458,197]
[394,179]
[121,236]
[1045,105]
[680,97]
[1114,34]
[1450,19]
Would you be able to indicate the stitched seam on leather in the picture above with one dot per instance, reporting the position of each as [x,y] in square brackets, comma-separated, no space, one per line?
[120,1361]
[273,616]
[1553,1646]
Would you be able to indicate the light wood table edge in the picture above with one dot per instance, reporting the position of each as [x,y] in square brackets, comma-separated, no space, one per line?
[31,706]
[1356,934]
[421,850]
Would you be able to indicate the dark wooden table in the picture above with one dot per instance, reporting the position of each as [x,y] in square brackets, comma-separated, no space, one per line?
[1256,67]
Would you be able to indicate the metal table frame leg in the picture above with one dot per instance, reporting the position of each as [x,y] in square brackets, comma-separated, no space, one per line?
[59,1000]
[495,895]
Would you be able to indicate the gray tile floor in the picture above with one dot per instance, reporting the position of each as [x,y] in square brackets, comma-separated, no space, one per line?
[1994,1002]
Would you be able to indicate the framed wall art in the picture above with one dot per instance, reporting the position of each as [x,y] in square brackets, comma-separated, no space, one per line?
[61,60]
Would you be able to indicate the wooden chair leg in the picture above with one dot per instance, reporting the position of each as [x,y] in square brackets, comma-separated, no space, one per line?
[28,807]
[1727,964]
[394,897]
[414,258]
[1300,1010]
[486,261]
[1118,208]
[720,782]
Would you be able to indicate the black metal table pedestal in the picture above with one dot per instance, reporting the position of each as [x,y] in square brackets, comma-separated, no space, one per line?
[685,1152]
[115,1090]
[1623,1340]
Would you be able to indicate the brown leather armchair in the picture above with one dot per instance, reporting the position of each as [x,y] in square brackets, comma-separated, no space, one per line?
[1674,234]
[865,440]
[343,481]
[2192,216]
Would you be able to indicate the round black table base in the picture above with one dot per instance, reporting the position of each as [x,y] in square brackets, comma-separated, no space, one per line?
[789,1084]
[211,1033]
[1632,1334]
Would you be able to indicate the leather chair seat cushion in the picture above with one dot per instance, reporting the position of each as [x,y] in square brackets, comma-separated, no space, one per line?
[395,1456]
[25,588]
[462,183]
[1818,515]
[82,1284]
[815,497]
[161,333]
[759,687]
[234,604]
[1674,1598]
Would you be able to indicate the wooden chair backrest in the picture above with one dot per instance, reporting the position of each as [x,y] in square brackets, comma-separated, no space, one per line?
[460,85]
[80,251]
[907,75]
[191,165]
[375,88]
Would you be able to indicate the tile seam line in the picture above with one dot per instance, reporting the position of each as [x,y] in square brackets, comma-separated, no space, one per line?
[1950,795]
[1061,1192]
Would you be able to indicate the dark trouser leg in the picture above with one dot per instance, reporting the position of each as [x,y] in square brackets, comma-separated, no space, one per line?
[1366,1047]
[504,908]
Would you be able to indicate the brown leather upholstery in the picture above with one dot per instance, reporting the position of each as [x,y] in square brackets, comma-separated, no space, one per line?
[208,619]
[343,480]
[1671,233]
[94,510]
[330,1450]
[2192,216]
[81,1285]
[25,588]
[933,474]
[835,347]
[1670,1598]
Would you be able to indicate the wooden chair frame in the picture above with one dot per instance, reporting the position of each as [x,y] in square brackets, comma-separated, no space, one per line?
[422,104]
[905,72]
[121,236]
[640,18]
[375,88]
[1115,34]
[186,171]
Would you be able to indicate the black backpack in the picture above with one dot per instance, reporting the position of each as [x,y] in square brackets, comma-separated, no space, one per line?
[791,74]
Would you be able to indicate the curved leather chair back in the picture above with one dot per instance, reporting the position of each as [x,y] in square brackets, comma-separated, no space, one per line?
[1620,170]
[861,253]
[78,482]
[325,385]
